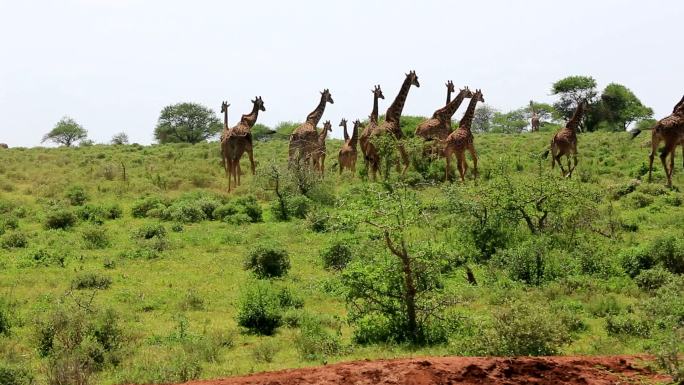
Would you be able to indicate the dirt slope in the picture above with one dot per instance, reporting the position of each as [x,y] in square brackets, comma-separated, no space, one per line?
[463,370]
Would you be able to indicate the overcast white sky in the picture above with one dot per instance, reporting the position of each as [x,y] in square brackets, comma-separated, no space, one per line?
[113,64]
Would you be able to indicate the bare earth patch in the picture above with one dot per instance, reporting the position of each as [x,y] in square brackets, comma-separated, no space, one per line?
[465,370]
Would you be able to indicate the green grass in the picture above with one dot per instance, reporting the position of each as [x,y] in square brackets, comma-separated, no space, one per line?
[205,260]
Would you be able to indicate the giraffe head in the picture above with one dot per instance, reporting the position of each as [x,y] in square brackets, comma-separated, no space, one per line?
[326,95]
[466,92]
[377,92]
[414,78]
[224,107]
[357,124]
[478,96]
[450,86]
[259,103]
[343,123]
[327,126]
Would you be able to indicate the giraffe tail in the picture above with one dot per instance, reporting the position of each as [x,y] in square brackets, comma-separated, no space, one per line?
[545,154]
[635,132]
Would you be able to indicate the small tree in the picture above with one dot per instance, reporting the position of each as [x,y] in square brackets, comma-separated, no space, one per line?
[186,122]
[66,132]
[619,107]
[572,90]
[120,138]
[509,122]
[482,120]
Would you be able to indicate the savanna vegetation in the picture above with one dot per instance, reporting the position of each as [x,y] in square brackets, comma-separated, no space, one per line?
[128,264]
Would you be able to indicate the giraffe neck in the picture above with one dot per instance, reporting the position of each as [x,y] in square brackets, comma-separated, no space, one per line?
[448,96]
[354,137]
[322,136]
[449,110]
[251,118]
[225,119]
[346,134]
[315,116]
[574,122]
[393,113]
[467,119]
[374,113]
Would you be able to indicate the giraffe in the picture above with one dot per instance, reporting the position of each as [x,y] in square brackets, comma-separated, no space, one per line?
[462,139]
[372,122]
[534,121]
[439,126]
[391,126]
[348,154]
[450,89]
[320,151]
[670,130]
[304,138]
[564,142]
[238,140]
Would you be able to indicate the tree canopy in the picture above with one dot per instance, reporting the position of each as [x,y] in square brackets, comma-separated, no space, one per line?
[571,91]
[120,138]
[619,107]
[186,122]
[66,132]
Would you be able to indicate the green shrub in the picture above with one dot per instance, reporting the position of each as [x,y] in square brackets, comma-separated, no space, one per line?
[14,239]
[60,219]
[259,309]
[653,279]
[5,324]
[250,207]
[336,256]
[317,221]
[267,261]
[636,259]
[604,305]
[142,207]
[90,281]
[524,329]
[185,212]
[76,195]
[669,251]
[8,222]
[95,237]
[313,342]
[47,257]
[627,325]
[265,351]
[298,206]
[14,375]
[150,231]
[287,298]
[224,211]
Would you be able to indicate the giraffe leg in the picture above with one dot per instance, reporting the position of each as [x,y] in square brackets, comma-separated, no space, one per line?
[250,152]
[473,154]
[238,171]
[404,158]
[663,160]
[229,172]
[650,164]
[558,160]
[448,165]
[461,165]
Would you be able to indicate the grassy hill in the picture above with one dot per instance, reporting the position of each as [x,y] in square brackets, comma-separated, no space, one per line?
[151,276]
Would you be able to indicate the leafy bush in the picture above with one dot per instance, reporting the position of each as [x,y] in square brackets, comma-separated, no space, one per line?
[95,237]
[60,219]
[185,212]
[150,231]
[336,256]
[667,251]
[523,329]
[76,195]
[313,342]
[604,305]
[627,324]
[317,221]
[98,214]
[259,309]
[529,262]
[653,279]
[5,324]
[265,351]
[143,206]
[288,298]
[638,200]
[14,239]
[14,375]
[47,257]
[298,206]
[90,281]
[267,261]
[250,206]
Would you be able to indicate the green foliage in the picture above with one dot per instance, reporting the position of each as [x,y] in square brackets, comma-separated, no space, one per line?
[119,139]
[259,309]
[186,123]
[482,120]
[314,343]
[13,239]
[572,90]
[619,107]
[5,324]
[336,256]
[510,122]
[91,281]
[627,325]
[262,132]
[66,132]
[284,130]
[142,207]
[76,195]
[653,279]
[666,251]
[268,261]
[95,237]
[15,375]
[150,231]
[60,218]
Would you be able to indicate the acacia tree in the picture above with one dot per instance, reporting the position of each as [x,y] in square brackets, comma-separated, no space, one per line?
[66,132]
[186,122]
[120,138]
[482,120]
[572,90]
[619,107]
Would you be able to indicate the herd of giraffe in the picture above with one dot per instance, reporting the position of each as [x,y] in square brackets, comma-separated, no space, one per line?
[307,144]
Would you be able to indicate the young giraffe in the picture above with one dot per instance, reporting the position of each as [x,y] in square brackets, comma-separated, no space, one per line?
[304,139]
[320,151]
[439,126]
[462,139]
[348,154]
[564,142]
[534,121]
[450,89]
[372,122]
[391,126]
[670,130]
[238,140]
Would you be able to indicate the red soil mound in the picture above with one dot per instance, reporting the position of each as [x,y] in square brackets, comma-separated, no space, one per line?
[463,370]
